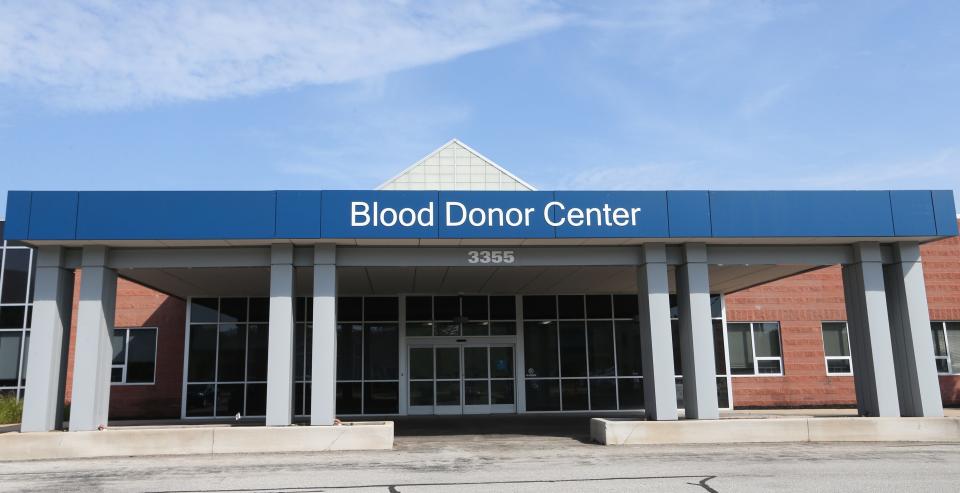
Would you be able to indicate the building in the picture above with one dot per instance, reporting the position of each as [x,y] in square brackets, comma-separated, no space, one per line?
[457,288]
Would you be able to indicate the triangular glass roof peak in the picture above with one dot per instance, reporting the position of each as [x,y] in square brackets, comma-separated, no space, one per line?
[455,166]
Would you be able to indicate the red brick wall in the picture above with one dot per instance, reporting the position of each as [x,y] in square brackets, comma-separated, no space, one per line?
[138,306]
[800,303]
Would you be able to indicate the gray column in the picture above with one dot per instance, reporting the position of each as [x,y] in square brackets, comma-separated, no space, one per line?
[659,387]
[280,342]
[917,383]
[93,354]
[49,340]
[323,396]
[869,327]
[696,335]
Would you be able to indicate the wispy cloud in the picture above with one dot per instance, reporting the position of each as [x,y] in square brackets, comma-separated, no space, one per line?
[757,103]
[111,54]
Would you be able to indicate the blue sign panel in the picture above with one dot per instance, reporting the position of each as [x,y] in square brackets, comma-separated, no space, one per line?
[372,214]
[609,214]
[494,215]
[175,215]
[53,216]
[793,214]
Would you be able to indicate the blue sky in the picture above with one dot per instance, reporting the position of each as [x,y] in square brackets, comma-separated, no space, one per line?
[567,95]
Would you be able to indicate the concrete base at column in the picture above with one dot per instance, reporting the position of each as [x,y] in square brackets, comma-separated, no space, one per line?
[195,440]
[773,430]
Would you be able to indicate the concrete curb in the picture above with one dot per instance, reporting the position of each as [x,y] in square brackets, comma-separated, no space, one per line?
[192,440]
[748,430]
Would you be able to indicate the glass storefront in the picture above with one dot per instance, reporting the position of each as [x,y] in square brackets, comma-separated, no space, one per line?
[579,353]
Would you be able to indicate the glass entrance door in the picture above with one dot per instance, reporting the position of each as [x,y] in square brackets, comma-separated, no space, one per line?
[465,378]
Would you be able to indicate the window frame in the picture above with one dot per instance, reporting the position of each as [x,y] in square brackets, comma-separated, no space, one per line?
[946,344]
[827,358]
[126,357]
[753,348]
[19,388]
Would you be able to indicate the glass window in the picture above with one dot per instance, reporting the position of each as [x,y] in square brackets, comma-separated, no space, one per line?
[474,308]
[570,306]
[201,366]
[740,347]
[381,341]
[9,358]
[540,349]
[603,393]
[256,399]
[141,355]
[134,355]
[630,392]
[836,348]
[503,308]
[600,348]
[446,308]
[349,351]
[11,317]
[349,398]
[257,339]
[574,394]
[953,345]
[350,309]
[539,307]
[204,310]
[386,308]
[719,354]
[233,309]
[16,271]
[573,349]
[259,310]
[629,362]
[381,397]
[626,306]
[231,361]
[229,399]
[200,400]
[767,339]
[598,306]
[419,308]
[754,348]
[543,395]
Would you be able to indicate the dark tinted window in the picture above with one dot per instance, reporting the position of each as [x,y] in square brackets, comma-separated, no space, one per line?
[603,393]
[446,307]
[419,308]
[540,349]
[257,337]
[539,307]
[349,398]
[474,307]
[625,306]
[15,272]
[543,395]
[598,306]
[231,362]
[349,351]
[600,348]
[628,349]
[350,309]
[381,309]
[503,308]
[233,309]
[574,394]
[200,400]
[570,306]
[141,355]
[203,353]
[381,397]
[256,399]
[203,310]
[11,317]
[380,355]
[259,310]
[573,350]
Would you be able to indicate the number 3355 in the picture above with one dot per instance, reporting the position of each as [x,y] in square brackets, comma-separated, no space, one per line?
[490,257]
